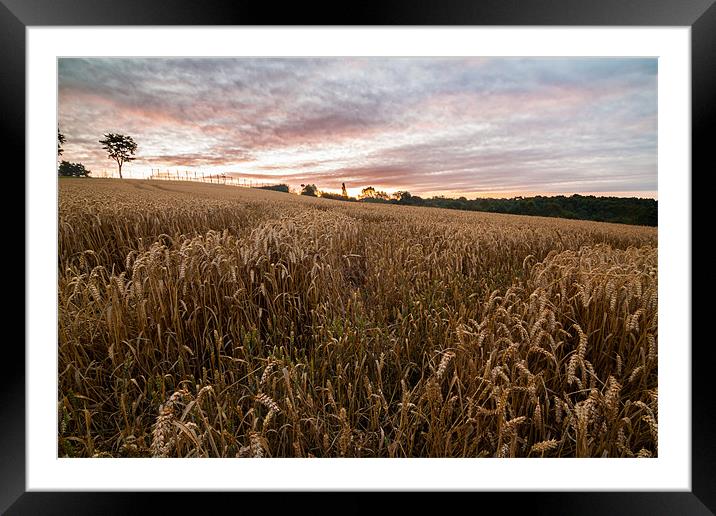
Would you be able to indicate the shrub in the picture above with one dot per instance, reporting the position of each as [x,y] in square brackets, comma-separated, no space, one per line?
[68,169]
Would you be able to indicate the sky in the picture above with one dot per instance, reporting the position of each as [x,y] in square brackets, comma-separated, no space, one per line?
[473,127]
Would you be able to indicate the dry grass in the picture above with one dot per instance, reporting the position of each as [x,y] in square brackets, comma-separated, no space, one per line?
[207,321]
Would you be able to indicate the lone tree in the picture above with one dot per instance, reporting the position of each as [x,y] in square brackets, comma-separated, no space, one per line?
[60,141]
[120,148]
[402,196]
[310,190]
[367,193]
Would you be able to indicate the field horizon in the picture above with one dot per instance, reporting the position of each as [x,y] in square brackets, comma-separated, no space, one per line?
[331,196]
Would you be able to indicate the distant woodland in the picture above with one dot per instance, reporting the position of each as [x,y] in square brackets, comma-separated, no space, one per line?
[624,210]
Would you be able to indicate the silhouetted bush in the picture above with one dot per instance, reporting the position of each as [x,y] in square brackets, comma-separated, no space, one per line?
[68,169]
[276,188]
[337,196]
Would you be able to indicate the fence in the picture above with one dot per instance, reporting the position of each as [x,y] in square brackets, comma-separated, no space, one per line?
[203,177]
[189,175]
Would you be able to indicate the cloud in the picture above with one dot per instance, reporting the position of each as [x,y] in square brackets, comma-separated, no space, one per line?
[429,125]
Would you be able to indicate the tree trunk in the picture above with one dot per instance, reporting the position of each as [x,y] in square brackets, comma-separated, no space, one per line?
[120,170]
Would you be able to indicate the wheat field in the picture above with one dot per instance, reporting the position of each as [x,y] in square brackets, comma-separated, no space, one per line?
[201,320]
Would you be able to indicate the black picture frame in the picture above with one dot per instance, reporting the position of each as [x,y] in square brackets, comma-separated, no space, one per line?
[700,15]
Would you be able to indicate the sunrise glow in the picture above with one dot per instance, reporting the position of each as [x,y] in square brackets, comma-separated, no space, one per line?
[480,127]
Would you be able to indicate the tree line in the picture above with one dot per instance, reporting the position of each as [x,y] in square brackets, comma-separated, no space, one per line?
[624,210]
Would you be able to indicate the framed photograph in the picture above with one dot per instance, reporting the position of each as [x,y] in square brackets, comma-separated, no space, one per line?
[421,249]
